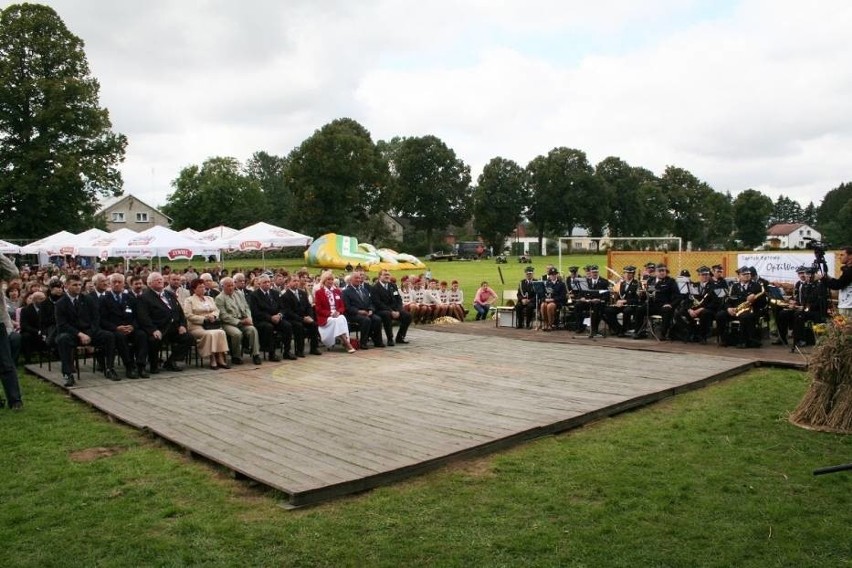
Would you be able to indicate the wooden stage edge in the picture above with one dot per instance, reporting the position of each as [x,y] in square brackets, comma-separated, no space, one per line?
[304,495]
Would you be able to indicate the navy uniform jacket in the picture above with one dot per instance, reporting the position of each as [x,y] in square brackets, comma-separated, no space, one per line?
[73,319]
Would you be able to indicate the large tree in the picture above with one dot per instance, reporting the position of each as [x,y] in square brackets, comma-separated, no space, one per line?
[217,193]
[831,215]
[556,184]
[337,177]
[752,210]
[430,185]
[786,210]
[688,202]
[269,172]
[58,153]
[498,200]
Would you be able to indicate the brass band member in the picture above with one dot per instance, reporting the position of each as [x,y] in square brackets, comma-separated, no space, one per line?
[784,317]
[595,299]
[664,299]
[743,305]
[718,279]
[627,304]
[814,308]
[703,307]
[555,294]
[525,308]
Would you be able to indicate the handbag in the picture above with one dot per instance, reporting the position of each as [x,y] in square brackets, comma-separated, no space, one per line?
[215,324]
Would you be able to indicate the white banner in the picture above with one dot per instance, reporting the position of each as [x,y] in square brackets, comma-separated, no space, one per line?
[781,266]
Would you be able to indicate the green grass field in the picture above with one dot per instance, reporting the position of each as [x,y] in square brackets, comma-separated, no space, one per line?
[469,273]
[716,477]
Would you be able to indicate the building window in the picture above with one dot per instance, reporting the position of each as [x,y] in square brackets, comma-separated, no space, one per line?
[801,232]
[141,217]
[117,217]
[809,232]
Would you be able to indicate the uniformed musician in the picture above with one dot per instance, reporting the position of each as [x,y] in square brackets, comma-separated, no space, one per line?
[627,304]
[703,307]
[744,302]
[555,294]
[814,308]
[664,298]
[526,306]
[785,316]
[595,299]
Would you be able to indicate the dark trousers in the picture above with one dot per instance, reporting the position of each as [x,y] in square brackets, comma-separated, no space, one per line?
[370,326]
[67,342]
[784,321]
[31,343]
[667,313]
[302,331]
[524,314]
[8,370]
[132,348]
[800,320]
[629,317]
[748,327]
[180,343]
[266,329]
[595,310]
[387,323]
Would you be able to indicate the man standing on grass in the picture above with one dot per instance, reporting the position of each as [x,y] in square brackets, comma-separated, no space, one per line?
[844,283]
[8,371]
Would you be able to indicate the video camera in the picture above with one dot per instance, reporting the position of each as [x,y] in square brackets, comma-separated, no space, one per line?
[819,249]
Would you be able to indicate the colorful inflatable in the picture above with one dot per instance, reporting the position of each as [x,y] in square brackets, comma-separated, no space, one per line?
[339,251]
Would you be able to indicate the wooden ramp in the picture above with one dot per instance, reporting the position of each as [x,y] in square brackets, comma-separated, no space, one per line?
[326,426]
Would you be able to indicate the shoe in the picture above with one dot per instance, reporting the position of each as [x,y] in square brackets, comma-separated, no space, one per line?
[225,365]
[302,355]
[380,344]
[390,343]
[289,356]
[364,347]
[143,374]
[112,375]
[172,366]
[70,381]
[17,405]
[351,350]
[401,340]
[801,343]
[315,352]
[273,357]
[257,359]
[155,370]
[214,367]
[131,373]
[236,361]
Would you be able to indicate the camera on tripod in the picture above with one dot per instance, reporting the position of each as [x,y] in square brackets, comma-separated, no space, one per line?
[819,249]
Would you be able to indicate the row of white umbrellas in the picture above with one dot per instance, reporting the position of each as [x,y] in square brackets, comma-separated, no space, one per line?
[162,242]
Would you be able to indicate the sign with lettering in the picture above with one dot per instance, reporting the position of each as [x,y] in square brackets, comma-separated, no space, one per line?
[781,266]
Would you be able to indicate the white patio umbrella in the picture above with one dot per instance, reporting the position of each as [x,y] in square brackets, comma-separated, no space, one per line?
[49,245]
[160,242]
[263,237]
[214,233]
[98,245]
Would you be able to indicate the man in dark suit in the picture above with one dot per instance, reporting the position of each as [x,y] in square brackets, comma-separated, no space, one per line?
[267,317]
[78,324]
[388,304]
[296,308]
[527,304]
[119,312]
[32,339]
[360,310]
[161,318]
[596,299]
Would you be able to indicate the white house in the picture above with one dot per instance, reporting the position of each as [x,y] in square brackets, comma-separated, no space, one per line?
[131,212]
[791,235]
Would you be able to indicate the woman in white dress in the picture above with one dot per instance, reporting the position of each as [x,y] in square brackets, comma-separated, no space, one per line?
[198,309]
[328,305]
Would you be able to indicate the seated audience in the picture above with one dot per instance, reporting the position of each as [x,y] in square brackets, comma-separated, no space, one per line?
[202,317]
[236,319]
[329,307]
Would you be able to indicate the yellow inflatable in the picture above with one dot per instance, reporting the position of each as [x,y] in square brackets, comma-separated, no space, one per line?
[339,251]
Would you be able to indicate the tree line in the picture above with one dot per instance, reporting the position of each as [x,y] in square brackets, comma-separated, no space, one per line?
[60,157]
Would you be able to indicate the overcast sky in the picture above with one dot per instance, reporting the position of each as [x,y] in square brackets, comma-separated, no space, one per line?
[744,94]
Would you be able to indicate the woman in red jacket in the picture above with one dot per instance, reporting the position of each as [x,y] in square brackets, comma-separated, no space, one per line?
[328,305]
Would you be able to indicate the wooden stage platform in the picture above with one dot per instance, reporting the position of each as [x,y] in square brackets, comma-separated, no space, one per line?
[326,426]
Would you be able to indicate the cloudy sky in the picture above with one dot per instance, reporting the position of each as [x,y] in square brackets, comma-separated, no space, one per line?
[744,94]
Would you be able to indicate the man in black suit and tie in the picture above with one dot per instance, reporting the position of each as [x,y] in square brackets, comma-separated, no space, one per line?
[160,316]
[297,310]
[388,304]
[360,310]
[119,317]
[78,323]
[267,317]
